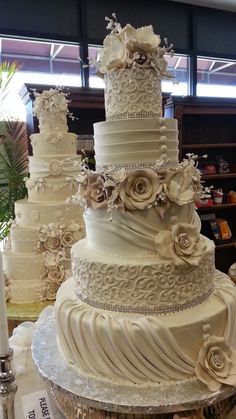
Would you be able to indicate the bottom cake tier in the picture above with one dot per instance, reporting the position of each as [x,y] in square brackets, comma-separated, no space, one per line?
[130,348]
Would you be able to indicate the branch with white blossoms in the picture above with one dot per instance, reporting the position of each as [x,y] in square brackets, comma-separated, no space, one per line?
[52,101]
[113,25]
[127,47]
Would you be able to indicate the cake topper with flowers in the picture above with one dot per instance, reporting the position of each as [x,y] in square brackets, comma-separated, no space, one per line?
[51,109]
[128,47]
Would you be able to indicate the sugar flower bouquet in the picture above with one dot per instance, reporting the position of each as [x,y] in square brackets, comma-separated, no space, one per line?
[129,48]
[50,101]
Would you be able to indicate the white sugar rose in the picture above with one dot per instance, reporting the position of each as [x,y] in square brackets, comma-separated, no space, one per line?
[180,188]
[183,244]
[216,363]
[51,290]
[67,238]
[185,239]
[113,55]
[58,101]
[43,235]
[93,191]
[50,259]
[53,244]
[139,189]
[141,39]
[74,227]
[56,273]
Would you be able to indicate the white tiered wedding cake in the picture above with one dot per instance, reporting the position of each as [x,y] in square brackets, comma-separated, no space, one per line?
[46,225]
[145,304]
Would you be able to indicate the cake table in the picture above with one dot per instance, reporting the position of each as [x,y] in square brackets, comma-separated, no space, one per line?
[18,313]
[78,396]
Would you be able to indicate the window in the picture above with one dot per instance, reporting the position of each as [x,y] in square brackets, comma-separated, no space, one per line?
[40,63]
[216,77]
[178,67]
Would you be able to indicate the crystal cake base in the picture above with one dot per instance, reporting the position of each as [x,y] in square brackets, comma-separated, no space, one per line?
[73,391]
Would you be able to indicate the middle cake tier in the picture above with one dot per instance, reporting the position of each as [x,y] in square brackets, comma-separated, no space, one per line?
[131,141]
[151,285]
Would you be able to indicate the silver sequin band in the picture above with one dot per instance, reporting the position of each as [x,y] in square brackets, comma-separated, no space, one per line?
[132,115]
[141,165]
[149,311]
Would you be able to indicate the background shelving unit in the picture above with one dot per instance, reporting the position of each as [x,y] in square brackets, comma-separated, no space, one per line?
[208,126]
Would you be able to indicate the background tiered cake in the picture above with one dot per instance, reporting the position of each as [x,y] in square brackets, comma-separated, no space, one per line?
[46,226]
[145,304]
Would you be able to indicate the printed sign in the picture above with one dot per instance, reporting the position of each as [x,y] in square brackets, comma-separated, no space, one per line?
[37,405]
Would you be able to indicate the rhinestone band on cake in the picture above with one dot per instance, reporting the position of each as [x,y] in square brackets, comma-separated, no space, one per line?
[148,311]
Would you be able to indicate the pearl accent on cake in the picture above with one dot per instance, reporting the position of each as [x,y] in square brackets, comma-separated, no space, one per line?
[163,129]
[164,148]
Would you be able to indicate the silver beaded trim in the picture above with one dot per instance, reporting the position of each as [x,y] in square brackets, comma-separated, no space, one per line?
[141,165]
[132,115]
[149,311]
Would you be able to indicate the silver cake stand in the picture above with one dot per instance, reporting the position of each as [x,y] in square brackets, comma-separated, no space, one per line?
[80,397]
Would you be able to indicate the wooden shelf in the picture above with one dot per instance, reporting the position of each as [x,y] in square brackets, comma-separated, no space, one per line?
[208,145]
[229,175]
[208,126]
[227,245]
[216,207]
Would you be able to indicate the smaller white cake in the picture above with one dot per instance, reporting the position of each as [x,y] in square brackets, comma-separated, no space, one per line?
[46,225]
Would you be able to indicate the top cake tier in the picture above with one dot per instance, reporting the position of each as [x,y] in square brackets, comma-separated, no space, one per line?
[51,109]
[133,65]
[133,93]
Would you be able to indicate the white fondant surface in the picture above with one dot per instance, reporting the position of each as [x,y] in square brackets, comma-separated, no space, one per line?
[131,91]
[46,190]
[23,239]
[136,140]
[34,214]
[132,234]
[54,143]
[137,348]
[138,283]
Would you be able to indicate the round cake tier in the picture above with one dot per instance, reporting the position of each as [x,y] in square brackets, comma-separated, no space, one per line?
[54,143]
[50,122]
[131,348]
[142,285]
[130,142]
[134,232]
[23,272]
[46,190]
[51,166]
[24,239]
[133,93]
[35,214]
